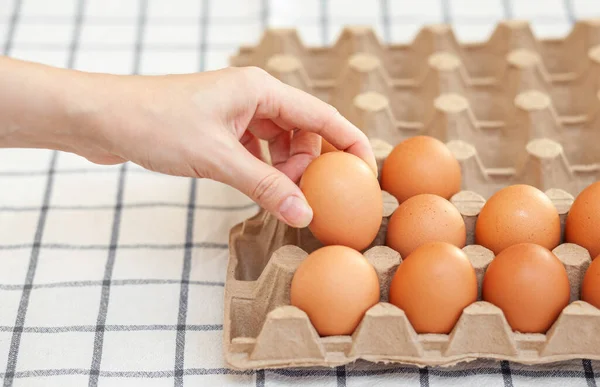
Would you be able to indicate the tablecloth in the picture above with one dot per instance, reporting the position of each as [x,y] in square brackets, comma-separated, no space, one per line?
[114,276]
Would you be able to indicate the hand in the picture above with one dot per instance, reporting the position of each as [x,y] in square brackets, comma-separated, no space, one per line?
[207,125]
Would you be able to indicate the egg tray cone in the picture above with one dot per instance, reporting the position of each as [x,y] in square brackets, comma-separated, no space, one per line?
[262,330]
[513,109]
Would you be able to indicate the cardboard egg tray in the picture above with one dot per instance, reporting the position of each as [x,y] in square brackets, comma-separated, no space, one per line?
[514,109]
[262,329]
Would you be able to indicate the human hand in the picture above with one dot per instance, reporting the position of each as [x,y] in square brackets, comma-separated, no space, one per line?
[207,125]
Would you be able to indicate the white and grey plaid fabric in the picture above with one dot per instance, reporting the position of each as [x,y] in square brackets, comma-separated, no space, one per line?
[113,276]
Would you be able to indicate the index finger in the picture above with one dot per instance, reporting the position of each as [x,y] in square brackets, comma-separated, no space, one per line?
[293,108]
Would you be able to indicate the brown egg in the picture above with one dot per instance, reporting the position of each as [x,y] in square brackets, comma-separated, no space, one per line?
[425,218]
[420,165]
[517,214]
[590,287]
[346,200]
[530,284]
[433,285]
[335,286]
[583,221]
[326,147]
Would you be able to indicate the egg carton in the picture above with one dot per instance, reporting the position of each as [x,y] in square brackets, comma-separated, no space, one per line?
[262,330]
[562,57]
[498,96]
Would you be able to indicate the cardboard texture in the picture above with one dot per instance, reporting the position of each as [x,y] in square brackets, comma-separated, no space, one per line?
[513,109]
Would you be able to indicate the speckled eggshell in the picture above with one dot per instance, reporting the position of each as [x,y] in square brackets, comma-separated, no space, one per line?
[530,284]
[421,164]
[590,287]
[335,286]
[425,218]
[346,200]
[583,221]
[517,214]
[433,285]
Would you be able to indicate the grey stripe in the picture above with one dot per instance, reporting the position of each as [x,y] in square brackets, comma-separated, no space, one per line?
[132,205]
[127,374]
[506,373]
[185,276]
[588,371]
[446,14]
[324,22]
[508,10]
[341,376]
[112,328]
[264,14]
[12,26]
[303,373]
[64,246]
[570,9]
[35,252]
[105,295]
[384,7]
[424,377]
[260,378]
[140,281]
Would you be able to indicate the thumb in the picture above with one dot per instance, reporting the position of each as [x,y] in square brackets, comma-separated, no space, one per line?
[268,187]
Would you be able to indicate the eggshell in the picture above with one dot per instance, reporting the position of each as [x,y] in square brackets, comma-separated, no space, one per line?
[582,226]
[335,286]
[418,165]
[346,200]
[433,285]
[326,147]
[590,287]
[530,284]
[425,218]
[517,214]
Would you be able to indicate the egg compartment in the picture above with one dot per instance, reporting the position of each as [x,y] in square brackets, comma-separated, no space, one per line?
[262,330]
[405,61]
[497,97]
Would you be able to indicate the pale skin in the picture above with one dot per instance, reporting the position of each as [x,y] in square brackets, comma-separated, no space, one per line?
[202,125]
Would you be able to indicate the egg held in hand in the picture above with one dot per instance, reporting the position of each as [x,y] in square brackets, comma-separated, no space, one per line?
[346,200]
[326,146]
[583,221]
[433,285]
[425,218]
[517,214]
[335,286]
[419,165]
[530,284]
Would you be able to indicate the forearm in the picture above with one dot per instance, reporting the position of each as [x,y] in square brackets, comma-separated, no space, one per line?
[38,104]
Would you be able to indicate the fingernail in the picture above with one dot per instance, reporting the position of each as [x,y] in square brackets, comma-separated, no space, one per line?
[296,212]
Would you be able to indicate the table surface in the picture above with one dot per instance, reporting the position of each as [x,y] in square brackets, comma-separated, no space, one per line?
[113,276]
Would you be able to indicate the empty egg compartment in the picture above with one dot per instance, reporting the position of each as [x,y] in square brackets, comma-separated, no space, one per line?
[505,105]
[561,57]
[262,329]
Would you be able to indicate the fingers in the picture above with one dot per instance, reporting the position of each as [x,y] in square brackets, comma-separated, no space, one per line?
[252,144]
[291,151]
[304,148]
[290,107]
[267,186]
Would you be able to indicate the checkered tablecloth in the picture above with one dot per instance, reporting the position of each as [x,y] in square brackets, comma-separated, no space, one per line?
[113,276]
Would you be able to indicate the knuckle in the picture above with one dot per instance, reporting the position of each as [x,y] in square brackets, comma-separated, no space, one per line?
[267,188]
[328,120]
[254,73]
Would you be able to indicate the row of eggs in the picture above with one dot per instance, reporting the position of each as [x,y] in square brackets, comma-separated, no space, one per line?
[336,285]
